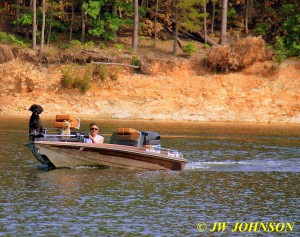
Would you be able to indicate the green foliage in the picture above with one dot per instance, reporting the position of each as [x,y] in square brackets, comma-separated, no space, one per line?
[92,8]
[53,36]
[189,14]
[231,12]
[9,38]
[72,79]
[63,46]
[102,46]
[75,43]
[89,45]
[262,28]
[24,20]
[280,51]
[119,47]
[290,30]
[67,77]
[97,28]
[189,48]
[101,71]
[103,25]
[135,60]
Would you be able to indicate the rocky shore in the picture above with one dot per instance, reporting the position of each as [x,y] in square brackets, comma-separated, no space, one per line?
[261,93]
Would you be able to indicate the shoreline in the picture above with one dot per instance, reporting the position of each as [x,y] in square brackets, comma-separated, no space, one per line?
[91,118]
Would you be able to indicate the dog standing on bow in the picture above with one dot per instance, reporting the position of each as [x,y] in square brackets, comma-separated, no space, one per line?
[35,123]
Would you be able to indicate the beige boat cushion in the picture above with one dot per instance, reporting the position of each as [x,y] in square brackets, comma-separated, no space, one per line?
[127,134]
[58,123]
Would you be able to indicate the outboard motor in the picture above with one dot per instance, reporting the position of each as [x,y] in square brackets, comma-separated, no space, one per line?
[151,139]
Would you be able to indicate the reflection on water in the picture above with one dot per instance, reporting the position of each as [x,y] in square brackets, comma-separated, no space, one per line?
[236,173]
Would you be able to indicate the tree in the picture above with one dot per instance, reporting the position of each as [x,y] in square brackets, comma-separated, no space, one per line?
[248,14]
[72,21]
[51,21]
[103,24]
[83,22]
[176,27]
[135,25]
[224,22]
[43,25]
[203,2]
[213,16]
[34,25]
[155,24]
[189,15]
[17,13]
[115,15]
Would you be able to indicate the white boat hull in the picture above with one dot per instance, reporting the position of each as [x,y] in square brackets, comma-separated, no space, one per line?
[75,154]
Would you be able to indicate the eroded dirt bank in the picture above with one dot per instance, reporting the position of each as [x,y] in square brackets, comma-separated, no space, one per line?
[261,93]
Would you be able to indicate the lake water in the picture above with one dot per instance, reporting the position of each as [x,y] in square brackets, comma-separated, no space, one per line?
[237,173]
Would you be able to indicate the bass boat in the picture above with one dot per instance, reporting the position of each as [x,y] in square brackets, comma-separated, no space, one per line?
[128,148]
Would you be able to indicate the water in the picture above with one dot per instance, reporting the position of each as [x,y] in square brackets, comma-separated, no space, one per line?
[236,173]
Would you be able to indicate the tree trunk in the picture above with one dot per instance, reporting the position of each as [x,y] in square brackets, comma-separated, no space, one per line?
[43,25]
[72,21]
[115,14]
[195,35]
[34,24]
[246,16]
[250,11]
[205,23]
[213,18]
[135,26]
[209,40]
[155,24]
[82,24]
[17,13]
[50,25]
[224,22]
[176,29]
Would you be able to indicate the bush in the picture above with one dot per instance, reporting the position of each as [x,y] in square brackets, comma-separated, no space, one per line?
[89,45]
[75,43]
[101,72]
[189,48]
[63,46]
[134,60]
[262,29]
[119,47]
[280,51]
[9,38]
[102,46]
[71,78]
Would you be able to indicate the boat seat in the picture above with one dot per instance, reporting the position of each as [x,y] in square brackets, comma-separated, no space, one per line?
[127,137]
[58,123]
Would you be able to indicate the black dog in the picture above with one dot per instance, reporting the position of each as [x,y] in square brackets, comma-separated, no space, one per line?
[35,123]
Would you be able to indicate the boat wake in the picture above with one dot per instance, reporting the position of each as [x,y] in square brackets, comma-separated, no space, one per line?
[291,165]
